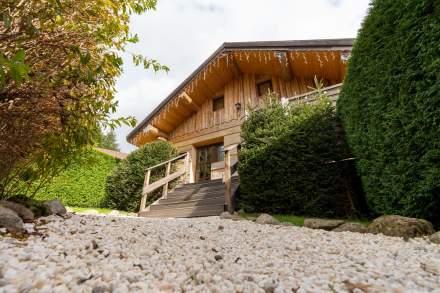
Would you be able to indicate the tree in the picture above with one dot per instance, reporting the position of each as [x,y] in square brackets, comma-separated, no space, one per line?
[108,140]
[390,107]
[58,65]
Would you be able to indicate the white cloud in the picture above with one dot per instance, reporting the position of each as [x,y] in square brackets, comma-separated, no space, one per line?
[182,34]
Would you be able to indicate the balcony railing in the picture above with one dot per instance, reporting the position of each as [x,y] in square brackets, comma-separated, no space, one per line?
[331,91]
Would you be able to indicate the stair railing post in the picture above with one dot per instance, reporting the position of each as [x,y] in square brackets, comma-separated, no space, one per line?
[165,187]
[187,172]
[227,179]
[144,194]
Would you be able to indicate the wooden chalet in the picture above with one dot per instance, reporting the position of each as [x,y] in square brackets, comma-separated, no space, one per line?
[203,115]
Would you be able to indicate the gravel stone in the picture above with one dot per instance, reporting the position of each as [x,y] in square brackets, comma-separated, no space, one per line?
[351,227]
[10,220]
[267,219]
[173,258]
[26,214]
[55,207]
[399,226]
[226,216]
[325,224]
[435,238]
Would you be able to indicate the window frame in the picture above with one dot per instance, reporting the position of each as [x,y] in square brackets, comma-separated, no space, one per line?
[259,84]
[215,105]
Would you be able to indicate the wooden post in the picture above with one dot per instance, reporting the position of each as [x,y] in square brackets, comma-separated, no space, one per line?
[144,194]
[165,187]
[186,179]
[228,187]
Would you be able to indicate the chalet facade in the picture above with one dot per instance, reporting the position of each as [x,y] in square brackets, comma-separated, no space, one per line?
[203,115]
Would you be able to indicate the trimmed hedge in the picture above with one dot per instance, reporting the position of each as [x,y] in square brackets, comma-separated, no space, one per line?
[390,107]
[82,184]
[286,162]
[124,185]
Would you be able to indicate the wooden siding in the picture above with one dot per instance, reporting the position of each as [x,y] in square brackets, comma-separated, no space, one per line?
[241,90]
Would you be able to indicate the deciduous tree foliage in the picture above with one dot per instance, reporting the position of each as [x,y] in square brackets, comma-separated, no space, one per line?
[390,107]
[290,162]
[58,65]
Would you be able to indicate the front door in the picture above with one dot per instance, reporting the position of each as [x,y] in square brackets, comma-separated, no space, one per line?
[205,156]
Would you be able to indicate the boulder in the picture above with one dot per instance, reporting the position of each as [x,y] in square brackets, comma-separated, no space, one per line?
[399,226]
[55,207]
[351,227]
[11,221]
[435,238]
[325,224]
[26,214]
[267,219]
[226,216]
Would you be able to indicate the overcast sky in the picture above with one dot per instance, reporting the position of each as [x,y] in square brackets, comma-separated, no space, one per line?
[182,34]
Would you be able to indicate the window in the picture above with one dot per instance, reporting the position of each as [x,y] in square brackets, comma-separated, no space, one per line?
[218,104]
[264,88]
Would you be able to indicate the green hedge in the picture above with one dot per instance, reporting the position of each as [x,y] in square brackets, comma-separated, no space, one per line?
[390,107]
[284,164]
[82,184]
[124,185]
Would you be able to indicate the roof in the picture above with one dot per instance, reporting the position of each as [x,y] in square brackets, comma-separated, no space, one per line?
[114,154]
[346,43]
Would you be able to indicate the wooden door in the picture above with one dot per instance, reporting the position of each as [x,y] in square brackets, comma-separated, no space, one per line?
[205,156]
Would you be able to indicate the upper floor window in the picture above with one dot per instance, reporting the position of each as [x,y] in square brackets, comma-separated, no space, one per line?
[218,104]
[264,88]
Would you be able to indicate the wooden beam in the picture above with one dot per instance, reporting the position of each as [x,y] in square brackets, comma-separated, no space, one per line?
[286,69]
[187,98]
[156,131]
[235,67]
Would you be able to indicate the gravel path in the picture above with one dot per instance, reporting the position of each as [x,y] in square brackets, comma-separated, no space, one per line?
[122,254]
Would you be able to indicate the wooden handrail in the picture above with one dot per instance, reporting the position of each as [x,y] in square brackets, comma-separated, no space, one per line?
[169,161]
[148,188]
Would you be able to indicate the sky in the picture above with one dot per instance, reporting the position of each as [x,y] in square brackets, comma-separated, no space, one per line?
[182,34]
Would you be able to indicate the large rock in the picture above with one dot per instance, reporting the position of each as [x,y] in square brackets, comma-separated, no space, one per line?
[435,238]
[26,214]
[399,226]
[351,227]
[267,219]
[226,216]
[11,221]
[55,207]
[325,224]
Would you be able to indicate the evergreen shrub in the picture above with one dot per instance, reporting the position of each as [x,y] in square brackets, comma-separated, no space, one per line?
[82,184]
[290,162]
[390,107]
[124,185]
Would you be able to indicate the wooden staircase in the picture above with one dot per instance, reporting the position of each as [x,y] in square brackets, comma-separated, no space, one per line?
[207,198]
[191,200]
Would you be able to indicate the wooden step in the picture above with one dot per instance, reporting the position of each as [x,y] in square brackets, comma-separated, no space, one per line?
[188,197]
[189,193]
[188,212]
[190,203]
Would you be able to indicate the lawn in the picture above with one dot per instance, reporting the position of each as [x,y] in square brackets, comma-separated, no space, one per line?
[99,210]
